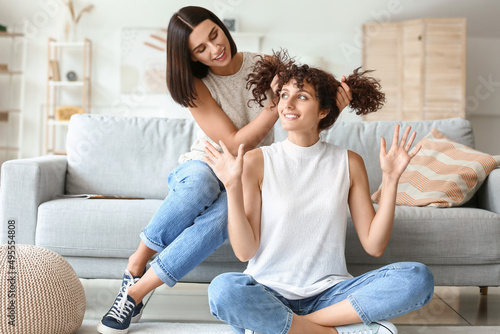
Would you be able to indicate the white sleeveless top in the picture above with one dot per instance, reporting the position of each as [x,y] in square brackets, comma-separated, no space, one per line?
[230,93]
[304,218]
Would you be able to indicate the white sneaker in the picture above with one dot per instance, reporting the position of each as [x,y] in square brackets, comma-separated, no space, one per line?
[380,327]
[247,331]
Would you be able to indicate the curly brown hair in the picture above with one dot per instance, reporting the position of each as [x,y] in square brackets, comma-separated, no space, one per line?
[366,94]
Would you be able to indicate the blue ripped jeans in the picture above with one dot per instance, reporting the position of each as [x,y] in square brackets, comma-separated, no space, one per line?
[240,301]
[190,224]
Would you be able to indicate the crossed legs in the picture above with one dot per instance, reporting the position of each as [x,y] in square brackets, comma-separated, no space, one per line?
[388,292]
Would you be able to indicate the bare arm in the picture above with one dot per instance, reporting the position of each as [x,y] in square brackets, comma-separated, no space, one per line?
[242,177]
[374,229]
[217,125]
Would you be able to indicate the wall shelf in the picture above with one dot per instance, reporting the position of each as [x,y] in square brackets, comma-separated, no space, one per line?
[66,83]
[58,87]
[11,34]
[10,72]
[54,122]
[67,44]
[12,94]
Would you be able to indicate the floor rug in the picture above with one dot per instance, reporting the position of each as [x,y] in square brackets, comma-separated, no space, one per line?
[89,327]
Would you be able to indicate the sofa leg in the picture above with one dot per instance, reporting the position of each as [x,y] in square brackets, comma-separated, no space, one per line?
[483,290]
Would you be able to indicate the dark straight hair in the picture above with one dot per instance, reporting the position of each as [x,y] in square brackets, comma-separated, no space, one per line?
[181,69]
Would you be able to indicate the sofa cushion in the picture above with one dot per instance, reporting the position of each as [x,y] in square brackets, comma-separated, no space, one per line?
[124,156]
[364,139]
[435,236]
[94,228]
[444,173]
[101,228]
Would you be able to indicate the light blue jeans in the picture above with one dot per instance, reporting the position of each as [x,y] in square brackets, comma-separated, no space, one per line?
[190,224]
[240,301]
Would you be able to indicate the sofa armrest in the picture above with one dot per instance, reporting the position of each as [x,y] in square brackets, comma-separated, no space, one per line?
[25,184]
[489,193]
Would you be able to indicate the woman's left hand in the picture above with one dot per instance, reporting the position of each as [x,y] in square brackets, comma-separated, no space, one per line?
[344,95]
[394,162]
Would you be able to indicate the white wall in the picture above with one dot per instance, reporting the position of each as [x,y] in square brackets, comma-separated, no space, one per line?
[328,30]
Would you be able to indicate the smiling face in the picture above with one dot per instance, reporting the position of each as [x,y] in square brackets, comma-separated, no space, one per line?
[299,109]
[209,45]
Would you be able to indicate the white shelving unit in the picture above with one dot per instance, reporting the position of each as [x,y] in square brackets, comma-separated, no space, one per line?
[59,54]
[13,62]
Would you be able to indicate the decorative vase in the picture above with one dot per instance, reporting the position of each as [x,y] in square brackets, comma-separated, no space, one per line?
[70,31]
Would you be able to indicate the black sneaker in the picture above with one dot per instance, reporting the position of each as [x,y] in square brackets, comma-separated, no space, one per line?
[119,316]
[114,321]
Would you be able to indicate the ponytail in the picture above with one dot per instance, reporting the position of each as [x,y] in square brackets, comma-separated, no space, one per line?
[366,94]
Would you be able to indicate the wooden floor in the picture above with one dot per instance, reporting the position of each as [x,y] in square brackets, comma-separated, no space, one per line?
[455,306]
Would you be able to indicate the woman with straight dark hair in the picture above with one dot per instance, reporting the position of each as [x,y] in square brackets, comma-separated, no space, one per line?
[206,74]
[288,205]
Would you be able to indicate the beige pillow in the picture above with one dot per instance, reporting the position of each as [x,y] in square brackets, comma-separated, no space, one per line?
[443,174]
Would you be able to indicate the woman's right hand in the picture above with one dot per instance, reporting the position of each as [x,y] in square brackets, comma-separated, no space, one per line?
[273,103]
[227,167]
[274,84]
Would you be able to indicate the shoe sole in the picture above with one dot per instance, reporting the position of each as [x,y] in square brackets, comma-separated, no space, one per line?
[388,326]
[107,330]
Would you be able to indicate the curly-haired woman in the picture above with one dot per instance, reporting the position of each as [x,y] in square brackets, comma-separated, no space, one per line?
[288,207]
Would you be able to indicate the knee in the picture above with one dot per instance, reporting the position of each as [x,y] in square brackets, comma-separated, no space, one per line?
[422,280]
[224,290]
[425,275]
[197,178]
[201,176]
[223,287]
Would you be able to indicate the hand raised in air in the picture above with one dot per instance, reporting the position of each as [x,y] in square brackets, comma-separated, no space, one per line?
[394,162]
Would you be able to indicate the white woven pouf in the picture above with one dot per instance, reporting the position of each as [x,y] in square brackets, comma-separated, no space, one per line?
[39,292]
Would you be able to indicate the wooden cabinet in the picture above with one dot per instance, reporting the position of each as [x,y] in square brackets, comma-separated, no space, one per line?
[12,66]
[69,69]
[421,66]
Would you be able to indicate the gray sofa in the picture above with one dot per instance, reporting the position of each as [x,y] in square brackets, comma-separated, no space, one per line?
[133,156]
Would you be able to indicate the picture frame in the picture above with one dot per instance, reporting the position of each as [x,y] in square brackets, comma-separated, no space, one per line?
[143,66]
[231,24]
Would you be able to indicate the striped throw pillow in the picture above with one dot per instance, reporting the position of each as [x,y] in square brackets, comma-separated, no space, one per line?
[443,174]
